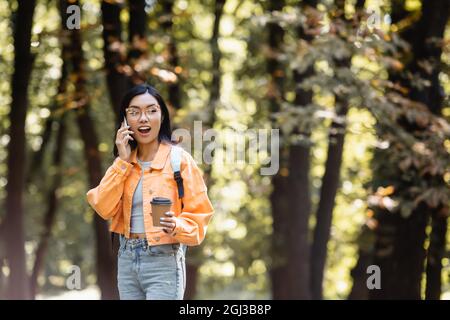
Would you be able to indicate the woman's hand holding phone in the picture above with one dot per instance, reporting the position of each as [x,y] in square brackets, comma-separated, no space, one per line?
[122,138]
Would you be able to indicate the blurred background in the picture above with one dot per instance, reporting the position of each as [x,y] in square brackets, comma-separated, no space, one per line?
[358,89]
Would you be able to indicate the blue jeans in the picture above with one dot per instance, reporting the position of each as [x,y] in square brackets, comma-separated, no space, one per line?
[151,272]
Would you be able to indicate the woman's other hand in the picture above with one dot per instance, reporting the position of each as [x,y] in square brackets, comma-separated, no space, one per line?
[169,222]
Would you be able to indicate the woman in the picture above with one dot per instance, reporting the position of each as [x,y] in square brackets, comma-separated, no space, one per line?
[151,261]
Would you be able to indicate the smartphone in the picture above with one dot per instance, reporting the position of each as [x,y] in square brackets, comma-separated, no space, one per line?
[126,124]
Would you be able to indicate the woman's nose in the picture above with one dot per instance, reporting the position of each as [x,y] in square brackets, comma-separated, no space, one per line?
[144,117]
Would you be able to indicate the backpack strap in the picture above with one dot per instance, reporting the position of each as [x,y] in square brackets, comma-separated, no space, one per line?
[175,160]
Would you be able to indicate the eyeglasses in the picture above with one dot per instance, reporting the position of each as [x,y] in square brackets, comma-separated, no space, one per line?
[136,113]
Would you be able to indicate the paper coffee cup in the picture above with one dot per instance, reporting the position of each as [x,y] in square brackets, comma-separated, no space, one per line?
[160,206]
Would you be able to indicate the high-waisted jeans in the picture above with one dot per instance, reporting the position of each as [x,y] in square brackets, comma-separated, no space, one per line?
[151,272]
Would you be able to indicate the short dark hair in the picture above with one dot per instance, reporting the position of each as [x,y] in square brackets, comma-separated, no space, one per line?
[165,132]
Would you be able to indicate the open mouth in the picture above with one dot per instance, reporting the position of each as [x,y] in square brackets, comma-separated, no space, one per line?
[144,129]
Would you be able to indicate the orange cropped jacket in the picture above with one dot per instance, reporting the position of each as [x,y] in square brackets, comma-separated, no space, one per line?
[112,198]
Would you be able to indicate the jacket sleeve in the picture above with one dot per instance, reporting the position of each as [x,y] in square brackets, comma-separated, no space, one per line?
[192,223]
[106,198]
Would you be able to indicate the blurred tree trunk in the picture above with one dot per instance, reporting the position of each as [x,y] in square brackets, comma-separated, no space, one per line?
[196,253]
[436,251]
[137,54]
[18,284]
[191,275]
[359,274]
[328,191]
[400,254]
[174,90]
[299,184]
[106,276]
[38,156]
[123,70]
[216,56]
[280,277]
[113,52]
[3,262]
[52,201]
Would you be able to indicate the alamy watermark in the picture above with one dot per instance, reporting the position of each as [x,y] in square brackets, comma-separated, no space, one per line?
[369,29]
[374,280]
[73,281]
[73,11]
[74,19]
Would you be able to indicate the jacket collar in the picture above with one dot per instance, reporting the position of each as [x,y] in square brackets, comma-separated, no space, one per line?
[160,158]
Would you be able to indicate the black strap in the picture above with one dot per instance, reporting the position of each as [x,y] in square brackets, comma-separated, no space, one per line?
[179,180]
